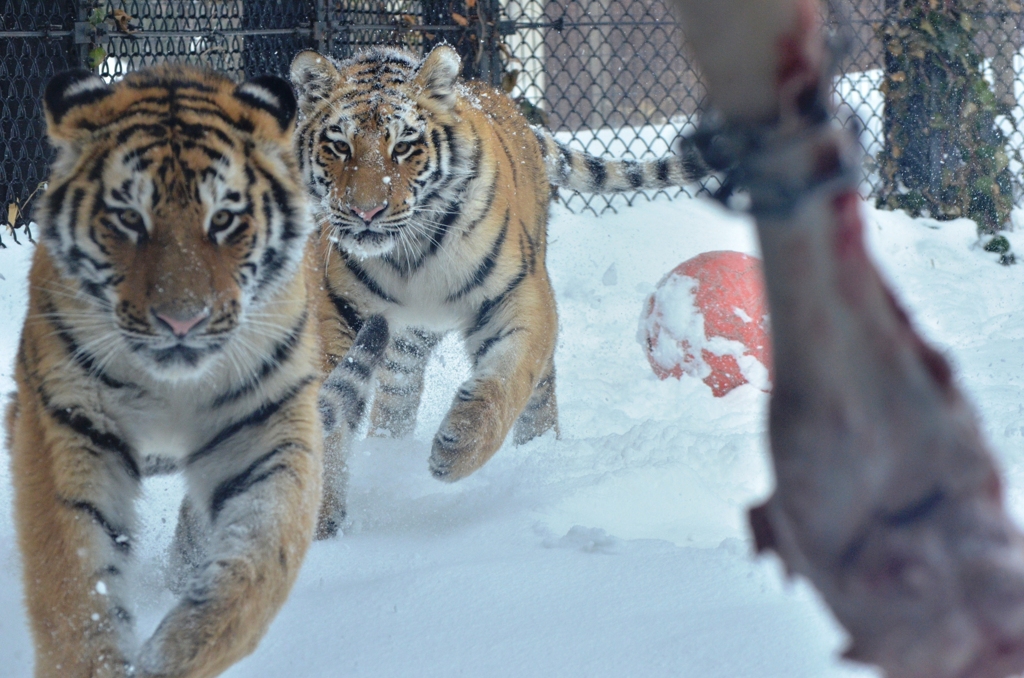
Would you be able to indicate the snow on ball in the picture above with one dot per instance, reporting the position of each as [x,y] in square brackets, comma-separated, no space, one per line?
[708,318]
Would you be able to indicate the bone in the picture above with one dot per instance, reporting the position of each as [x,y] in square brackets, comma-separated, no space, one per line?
[887,497]
[735,42]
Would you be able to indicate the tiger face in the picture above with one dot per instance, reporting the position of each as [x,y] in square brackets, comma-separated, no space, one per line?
[370,155]
[172,210]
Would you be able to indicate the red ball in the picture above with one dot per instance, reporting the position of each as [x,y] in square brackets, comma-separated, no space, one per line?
[708,318]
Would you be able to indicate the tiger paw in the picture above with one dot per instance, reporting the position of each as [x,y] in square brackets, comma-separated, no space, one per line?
[468,437]
[450,457]
[327,527]
[330,518]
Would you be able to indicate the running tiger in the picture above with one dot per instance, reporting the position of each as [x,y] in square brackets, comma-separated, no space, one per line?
[170,328]
[435,193]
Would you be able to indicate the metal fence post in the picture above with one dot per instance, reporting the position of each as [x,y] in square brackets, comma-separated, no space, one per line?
[491,68]
[323,35]
[84,32]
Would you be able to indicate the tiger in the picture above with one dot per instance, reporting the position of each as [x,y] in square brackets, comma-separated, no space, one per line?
[172,327]
[434,192]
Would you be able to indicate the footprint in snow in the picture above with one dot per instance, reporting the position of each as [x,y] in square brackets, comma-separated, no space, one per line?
[586,539]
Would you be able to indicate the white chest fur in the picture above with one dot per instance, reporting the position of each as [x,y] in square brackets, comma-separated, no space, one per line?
[167,421]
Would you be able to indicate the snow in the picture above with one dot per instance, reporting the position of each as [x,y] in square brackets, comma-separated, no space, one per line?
[619,549]
[674,319]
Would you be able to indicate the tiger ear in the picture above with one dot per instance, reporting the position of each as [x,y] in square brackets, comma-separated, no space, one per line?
[438,74]
[314,77]
[65,92]
[271,94]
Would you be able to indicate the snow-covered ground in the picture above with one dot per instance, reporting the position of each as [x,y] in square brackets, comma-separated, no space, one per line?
[617,550]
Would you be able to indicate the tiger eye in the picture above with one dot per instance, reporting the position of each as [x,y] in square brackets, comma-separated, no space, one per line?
[131,218]
[342,148]
[221,219]
[402,147]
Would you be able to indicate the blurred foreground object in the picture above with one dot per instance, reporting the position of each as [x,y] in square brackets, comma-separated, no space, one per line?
[887,498]
[708,319]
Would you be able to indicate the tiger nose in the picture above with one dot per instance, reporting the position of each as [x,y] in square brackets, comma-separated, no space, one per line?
[368,215]
[182,326]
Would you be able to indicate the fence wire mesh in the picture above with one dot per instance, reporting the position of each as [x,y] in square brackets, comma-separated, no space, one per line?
[607,76]
[36,41]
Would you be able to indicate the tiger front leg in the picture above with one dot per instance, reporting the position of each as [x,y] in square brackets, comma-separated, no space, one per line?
[75,487]
[400,382]
[342,402]
[255,497]
[333,507]
[188,550]
[512,348]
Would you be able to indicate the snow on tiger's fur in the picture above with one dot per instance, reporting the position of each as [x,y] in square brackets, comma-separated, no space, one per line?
[435,193]
[170,328]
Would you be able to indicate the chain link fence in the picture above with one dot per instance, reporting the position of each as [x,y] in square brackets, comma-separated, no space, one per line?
[858,87]
[607,76]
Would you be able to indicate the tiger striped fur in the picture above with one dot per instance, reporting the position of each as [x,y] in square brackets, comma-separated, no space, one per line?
[435,193]
[170,328]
